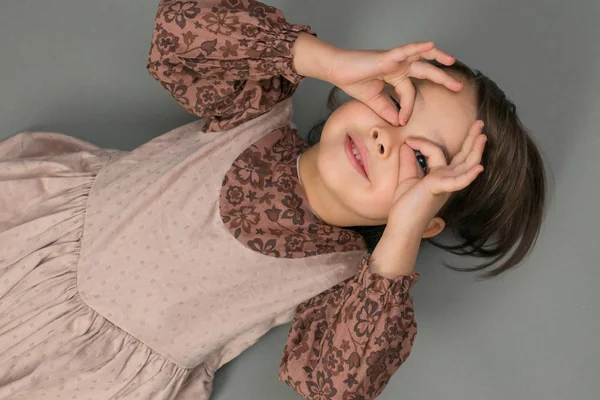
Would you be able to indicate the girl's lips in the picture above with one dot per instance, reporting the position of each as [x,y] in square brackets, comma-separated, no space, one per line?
[364,169]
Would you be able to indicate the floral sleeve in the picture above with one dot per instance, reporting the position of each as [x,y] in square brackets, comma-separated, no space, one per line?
[226,61]
[348,341]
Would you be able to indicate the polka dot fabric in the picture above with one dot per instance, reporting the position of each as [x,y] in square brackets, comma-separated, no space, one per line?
[118,278]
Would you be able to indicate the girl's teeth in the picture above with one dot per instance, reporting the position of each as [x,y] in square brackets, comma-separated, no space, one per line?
[356,154]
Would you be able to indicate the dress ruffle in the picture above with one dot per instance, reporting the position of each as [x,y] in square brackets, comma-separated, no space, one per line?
[52,345]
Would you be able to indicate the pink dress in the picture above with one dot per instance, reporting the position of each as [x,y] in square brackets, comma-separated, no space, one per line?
[138,274]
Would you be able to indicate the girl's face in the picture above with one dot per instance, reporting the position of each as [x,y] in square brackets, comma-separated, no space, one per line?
[441,116]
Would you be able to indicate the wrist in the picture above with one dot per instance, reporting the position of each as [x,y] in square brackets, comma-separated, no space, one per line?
[396,252]
[312,57]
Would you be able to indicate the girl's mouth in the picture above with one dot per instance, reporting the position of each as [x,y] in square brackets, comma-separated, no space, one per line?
[356,157]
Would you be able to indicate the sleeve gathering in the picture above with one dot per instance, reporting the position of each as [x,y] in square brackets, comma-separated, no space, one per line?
[225,61]
[347,342]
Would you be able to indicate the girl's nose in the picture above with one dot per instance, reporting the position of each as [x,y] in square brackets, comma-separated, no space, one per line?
[383,141]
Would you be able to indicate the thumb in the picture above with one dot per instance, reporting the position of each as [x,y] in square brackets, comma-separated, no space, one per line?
[408,163]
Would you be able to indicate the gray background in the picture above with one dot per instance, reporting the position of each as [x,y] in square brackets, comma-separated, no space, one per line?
[78,67]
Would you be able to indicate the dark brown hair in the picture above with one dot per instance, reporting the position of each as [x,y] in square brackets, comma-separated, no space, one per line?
[505,204]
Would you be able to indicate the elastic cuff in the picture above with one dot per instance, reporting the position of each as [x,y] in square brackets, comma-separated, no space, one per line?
[285,37]
[380,284]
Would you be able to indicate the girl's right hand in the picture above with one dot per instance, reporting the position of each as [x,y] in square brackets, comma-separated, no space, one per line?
[363,74]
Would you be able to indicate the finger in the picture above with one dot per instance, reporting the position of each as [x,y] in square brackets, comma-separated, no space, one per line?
[474,131]
[408,163]
[439,55]
[433,153]
[433,54]
[455,183]
[401,53]
[472,152]
[384,108]
[412,59]
[406,91]
[424,70]
[474,157]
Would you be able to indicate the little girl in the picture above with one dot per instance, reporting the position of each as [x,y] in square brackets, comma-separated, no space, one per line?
[138,274]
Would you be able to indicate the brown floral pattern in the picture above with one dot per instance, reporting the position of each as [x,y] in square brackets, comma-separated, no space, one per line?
[264,207]
[348,341]
[232,57]
[181,12]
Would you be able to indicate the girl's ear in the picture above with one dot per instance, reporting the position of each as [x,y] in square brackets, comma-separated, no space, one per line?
[435,227]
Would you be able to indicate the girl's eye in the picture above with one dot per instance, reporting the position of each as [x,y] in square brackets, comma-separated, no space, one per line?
[422,161]
[395,102]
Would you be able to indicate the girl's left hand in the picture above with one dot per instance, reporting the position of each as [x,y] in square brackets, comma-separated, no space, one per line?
[363,74]
[417,201]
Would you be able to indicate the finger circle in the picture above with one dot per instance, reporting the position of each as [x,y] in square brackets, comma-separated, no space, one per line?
[434,154]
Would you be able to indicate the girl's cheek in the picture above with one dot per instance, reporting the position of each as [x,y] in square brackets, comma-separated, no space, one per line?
[358,114]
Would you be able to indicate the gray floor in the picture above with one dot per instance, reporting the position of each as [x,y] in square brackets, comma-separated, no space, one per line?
[77,67]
